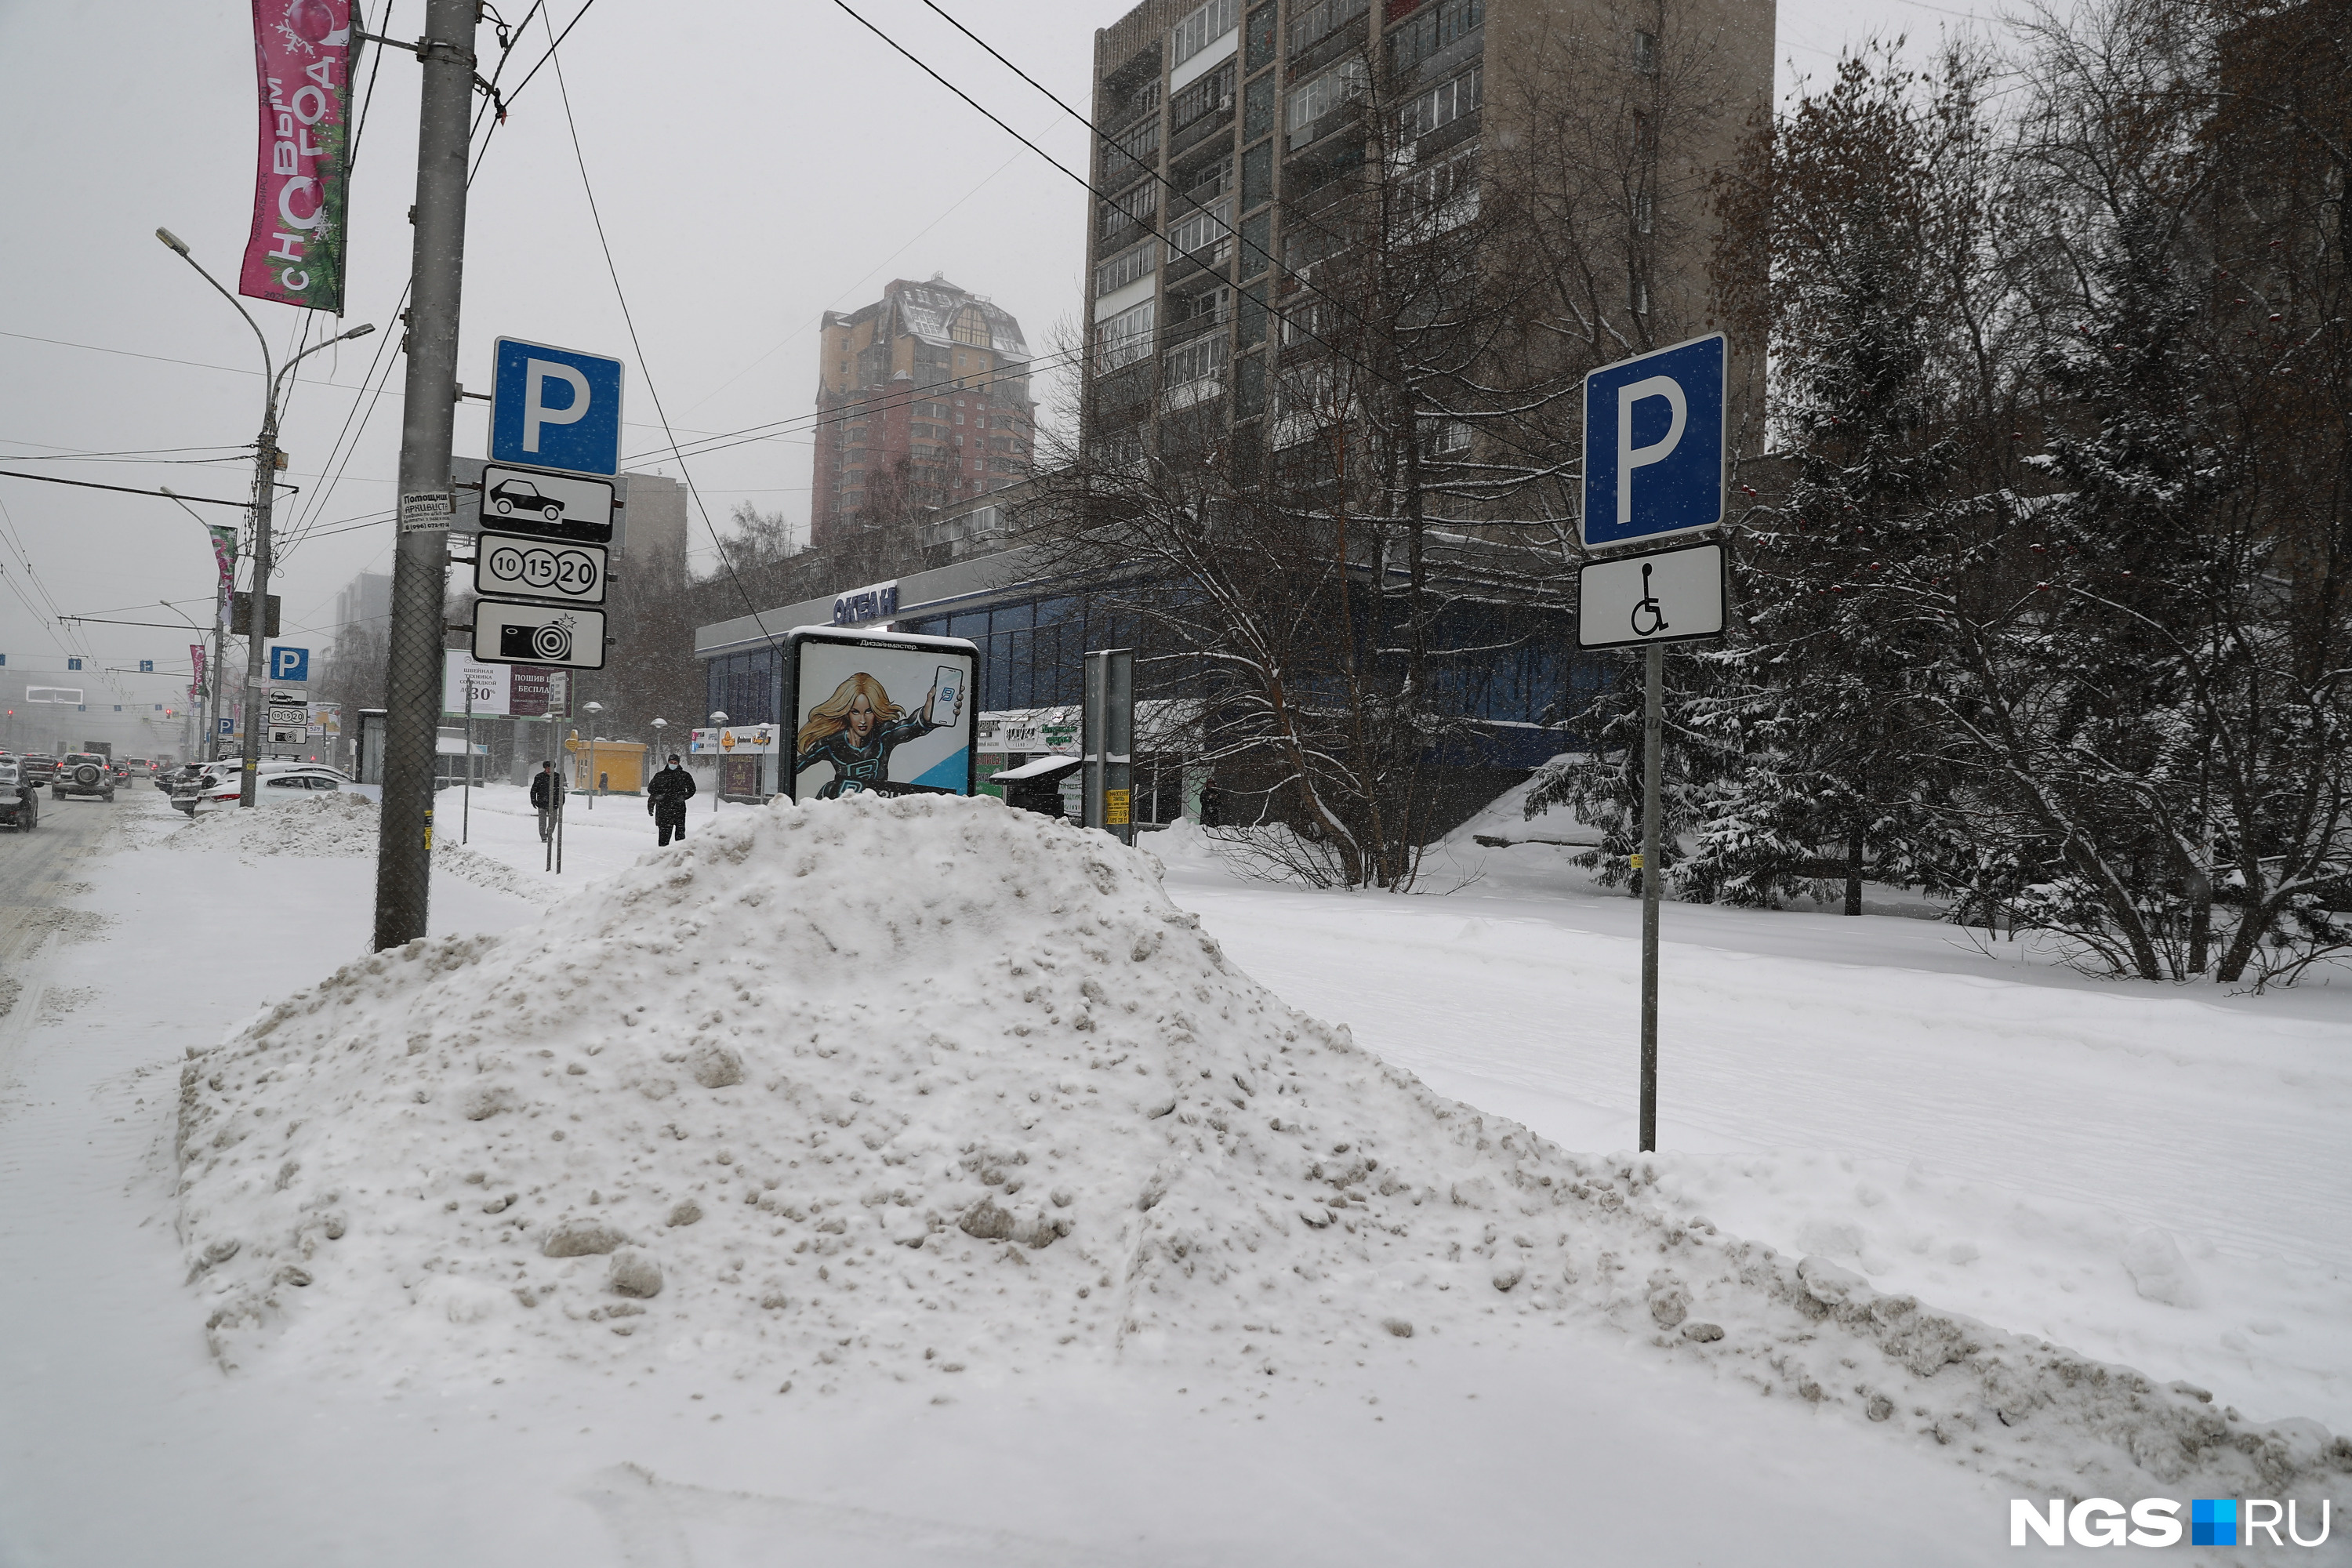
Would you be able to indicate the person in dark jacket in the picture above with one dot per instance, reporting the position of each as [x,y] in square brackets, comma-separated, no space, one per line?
[546,798]
[665,798]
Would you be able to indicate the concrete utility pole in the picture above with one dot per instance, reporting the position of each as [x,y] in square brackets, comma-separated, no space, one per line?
[420,564]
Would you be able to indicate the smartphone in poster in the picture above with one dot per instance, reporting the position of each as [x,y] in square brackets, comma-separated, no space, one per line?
[880,713]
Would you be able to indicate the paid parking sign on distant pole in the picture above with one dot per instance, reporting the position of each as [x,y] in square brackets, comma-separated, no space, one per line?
[1654,453]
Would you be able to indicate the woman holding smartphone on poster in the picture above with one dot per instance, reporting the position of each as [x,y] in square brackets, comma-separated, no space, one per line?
[858,726]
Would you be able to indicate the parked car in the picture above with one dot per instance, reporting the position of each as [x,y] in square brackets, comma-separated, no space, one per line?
[84,773]
[39,767]
[285,786]
[20,798]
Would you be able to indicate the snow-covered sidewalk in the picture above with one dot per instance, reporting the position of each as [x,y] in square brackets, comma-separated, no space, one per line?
[1826,1106]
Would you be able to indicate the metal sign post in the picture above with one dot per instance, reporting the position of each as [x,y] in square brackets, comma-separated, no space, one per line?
[1654,449]
[1107,742]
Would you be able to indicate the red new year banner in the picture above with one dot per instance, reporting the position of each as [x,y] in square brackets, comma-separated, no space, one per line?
[304,53]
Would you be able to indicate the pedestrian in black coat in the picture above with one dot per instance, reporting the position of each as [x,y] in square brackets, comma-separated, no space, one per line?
[665,798]
[546,798]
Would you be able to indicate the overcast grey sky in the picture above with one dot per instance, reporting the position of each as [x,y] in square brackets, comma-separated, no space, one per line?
[756,163]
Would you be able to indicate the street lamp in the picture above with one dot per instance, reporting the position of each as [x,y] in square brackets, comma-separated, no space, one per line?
[718,768]
[203,717]
[596,784]
[265,489]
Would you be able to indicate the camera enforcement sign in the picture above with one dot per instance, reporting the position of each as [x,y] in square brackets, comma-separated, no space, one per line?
[560,634]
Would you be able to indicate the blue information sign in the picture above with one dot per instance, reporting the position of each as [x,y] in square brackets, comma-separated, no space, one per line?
[1654,445]
[555,408]
[291,665]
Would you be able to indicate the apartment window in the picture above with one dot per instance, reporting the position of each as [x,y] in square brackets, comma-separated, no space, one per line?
[1414,41]
[970,327]
[1443,438]
[1124,267]
[1207,96]
[1126,337]
[1443,104]
[1313,100]
[1137,205]
[1312,23]
[1192,373]
[1257,238]
[1646,53]
[1443,196]
[1205,27]
[1133,150]
[1204,234]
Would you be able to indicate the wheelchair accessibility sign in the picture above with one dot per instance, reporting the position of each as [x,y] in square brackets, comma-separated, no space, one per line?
[1672,595]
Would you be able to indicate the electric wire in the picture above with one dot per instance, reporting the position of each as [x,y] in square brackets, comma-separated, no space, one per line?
[1297,327]
[629,320]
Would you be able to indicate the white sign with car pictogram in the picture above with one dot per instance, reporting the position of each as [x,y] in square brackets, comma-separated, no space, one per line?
[546,505]
[540,569]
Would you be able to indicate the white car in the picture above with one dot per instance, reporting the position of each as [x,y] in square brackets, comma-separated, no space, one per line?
[278,786]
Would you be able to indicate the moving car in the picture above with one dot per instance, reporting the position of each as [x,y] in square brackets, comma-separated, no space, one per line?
[83,773]
[20,798]
[39,767]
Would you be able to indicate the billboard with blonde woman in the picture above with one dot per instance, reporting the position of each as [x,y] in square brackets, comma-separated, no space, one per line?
[879,714]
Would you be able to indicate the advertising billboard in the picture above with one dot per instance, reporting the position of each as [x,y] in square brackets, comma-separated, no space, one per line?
[878,713]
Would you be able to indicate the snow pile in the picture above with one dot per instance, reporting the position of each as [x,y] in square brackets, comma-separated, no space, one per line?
[925,1087]
[338,825]
[327,824]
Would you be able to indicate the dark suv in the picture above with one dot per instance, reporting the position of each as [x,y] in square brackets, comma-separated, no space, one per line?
[83,773]
[20,798]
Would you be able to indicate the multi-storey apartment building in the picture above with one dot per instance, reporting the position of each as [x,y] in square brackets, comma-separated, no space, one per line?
[924,402]
[1229,125]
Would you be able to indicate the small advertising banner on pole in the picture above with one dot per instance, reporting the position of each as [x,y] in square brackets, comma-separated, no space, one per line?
[304,52]
[879,714]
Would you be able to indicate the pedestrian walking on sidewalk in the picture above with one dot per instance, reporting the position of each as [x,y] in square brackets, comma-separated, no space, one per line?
[665,798]
[546,798]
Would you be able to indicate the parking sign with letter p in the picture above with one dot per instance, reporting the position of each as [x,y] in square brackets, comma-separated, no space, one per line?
[1654,445]
[555,408]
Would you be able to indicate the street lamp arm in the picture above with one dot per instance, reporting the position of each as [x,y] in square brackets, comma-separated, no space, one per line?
[359,331]
[180,251]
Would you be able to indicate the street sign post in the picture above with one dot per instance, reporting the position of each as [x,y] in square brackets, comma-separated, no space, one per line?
[563,635]
[545,504]
[1655,446]
[540,569]
[555,408]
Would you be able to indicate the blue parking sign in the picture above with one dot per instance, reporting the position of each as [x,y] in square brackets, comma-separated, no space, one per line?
[1654,445]
[291,665]
[555,408]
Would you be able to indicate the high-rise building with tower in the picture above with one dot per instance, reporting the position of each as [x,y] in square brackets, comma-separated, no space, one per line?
[923,402]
